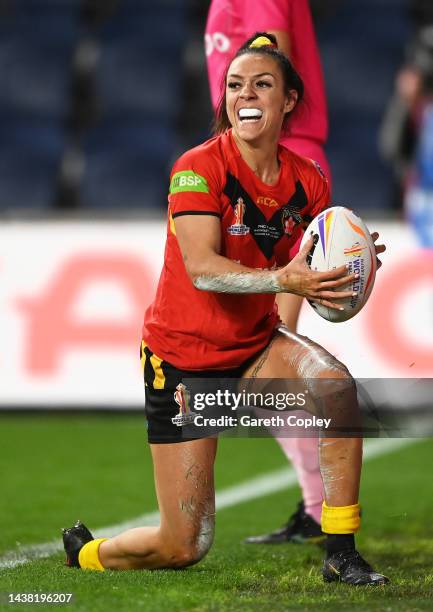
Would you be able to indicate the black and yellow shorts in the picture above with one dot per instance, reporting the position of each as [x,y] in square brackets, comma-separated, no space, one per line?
[167,411]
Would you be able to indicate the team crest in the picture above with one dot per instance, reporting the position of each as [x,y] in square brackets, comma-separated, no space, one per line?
[239,228]
[290,217]
[182,398]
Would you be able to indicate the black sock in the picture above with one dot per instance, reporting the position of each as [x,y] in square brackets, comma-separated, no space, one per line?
[336,543]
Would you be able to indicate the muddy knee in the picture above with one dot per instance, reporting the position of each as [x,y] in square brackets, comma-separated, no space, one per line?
[190,549]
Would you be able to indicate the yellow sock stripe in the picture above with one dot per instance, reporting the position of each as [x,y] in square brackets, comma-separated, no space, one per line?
[159,381]
[340,519]
[88,557]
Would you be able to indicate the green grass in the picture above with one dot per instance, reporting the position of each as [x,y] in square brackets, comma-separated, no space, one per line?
[56,469]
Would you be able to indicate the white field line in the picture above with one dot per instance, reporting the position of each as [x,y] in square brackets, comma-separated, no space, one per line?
[268,483]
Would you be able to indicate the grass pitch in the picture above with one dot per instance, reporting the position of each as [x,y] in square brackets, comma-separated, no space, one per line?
[56,469]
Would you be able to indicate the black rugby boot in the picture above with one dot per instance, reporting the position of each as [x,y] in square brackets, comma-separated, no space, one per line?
[74,539]
[348,566]
[301,528]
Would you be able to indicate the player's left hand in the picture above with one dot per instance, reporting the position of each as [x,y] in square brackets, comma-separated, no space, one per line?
[380,248]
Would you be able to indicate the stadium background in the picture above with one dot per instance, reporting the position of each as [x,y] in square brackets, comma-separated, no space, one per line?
[96,101]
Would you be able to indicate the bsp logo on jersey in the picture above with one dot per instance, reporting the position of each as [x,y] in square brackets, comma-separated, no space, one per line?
[188,180]
[239,228]
[182,398]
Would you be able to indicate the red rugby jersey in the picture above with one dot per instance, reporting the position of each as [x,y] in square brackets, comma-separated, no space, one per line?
[261,227]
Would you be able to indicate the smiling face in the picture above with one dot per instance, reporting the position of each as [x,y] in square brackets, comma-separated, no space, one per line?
[256,102]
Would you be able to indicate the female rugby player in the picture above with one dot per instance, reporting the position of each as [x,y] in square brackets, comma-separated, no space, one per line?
[227,256]
[229,24]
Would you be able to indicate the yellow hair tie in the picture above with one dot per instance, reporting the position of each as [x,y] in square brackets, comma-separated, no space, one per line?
[262,41]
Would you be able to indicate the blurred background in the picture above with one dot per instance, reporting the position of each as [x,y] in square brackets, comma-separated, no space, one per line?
[99,97]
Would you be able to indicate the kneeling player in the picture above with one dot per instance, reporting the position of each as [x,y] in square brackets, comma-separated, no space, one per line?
[226,258]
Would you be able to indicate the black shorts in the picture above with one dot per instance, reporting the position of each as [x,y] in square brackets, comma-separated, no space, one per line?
[167,411]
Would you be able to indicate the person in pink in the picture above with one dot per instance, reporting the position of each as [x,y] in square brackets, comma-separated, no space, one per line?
[229,24]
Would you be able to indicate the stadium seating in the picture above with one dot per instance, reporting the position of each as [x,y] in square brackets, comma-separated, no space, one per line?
[35,77]
[54,20]
[30,155]
[128,85]
[37,42]
[359,72]
[94,82]
[78,67]
[135,86]
[126,165]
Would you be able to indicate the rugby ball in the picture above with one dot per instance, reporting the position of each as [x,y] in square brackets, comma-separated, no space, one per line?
[340,238]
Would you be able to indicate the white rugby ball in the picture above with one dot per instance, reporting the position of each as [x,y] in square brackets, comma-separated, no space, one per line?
[341,237]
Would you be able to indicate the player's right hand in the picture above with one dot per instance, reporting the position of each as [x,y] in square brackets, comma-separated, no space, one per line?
[322,287]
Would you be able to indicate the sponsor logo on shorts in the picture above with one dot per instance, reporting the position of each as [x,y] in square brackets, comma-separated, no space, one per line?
[239,228]
[182,398]
[187,180]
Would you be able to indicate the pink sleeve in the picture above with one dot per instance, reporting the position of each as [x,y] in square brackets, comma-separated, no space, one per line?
[267,15]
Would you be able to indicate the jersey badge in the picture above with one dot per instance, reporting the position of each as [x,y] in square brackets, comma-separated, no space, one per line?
[290,217]
[239,228]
